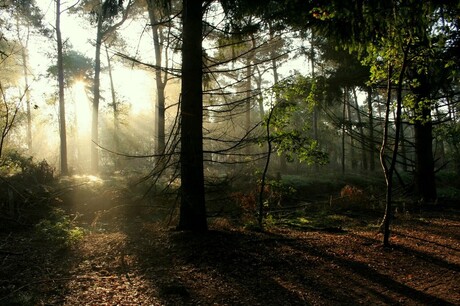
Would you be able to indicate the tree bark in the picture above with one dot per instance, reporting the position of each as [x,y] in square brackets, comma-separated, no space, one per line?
[25,70]
[160,84]
[350,132]
[390,169]
[362,137]
[62,123]
[371,130]
[116,119]
[425,183]
[387,171]
[96,98]
[273,58]
[192,208]
[345,92]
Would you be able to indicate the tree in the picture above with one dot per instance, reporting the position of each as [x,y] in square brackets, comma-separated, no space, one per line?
[76,67]
[156,10]
[27,17]
[60,68]
[9,110]
[193,207]
[103,13]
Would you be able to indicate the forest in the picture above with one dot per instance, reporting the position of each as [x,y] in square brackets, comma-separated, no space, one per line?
[229,152]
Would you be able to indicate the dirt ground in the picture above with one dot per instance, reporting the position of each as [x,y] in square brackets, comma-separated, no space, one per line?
[130,259]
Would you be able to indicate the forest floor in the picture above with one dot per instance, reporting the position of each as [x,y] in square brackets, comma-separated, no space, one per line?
[129,259]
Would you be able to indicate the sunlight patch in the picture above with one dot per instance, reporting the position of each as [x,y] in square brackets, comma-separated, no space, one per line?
[92,179]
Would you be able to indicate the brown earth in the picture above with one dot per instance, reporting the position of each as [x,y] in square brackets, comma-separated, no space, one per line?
[136,261]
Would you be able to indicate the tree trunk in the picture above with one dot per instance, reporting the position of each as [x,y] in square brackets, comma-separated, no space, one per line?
[371,130]
[362,137]
[192,208]
[25,70]
[315,106]
[260,97]
[96,98]
[350,132]
[387,170]
[160,84]
[390,169]
[345,92]
[248,95]
[116,119]
[425,184]
[62,125]
[273,56]
[403,148]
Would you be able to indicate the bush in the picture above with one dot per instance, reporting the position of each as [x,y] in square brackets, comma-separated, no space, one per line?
[59,230]
[15,164]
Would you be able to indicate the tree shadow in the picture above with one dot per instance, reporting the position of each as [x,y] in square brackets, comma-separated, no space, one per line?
[247,268]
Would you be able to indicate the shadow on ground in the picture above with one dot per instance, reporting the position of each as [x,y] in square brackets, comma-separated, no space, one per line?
[128,258]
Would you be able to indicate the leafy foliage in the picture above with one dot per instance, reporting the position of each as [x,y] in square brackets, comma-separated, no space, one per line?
[14,163]
[76,67]
[59,229]
[290,123]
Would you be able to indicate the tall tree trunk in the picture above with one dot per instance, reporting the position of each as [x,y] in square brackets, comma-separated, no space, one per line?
[370,111]
[403,148]
[24,47]
[60,66]
[193,207]
[315,106]
[160,82]
[388,170]
[350,132]
[96,98]
[273,58]
[441,151]
[362,137]
[260,97]
[345,92]
[425,184]
[248,90]
[116,119]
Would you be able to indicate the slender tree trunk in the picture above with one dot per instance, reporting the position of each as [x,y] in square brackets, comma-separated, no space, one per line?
[260,216]
[315,106]
[160,84]
[192,208]
[62,123]
[370,111]
[387,171]
[362,137]
[390,169]
[248,96]
[248,90]
[96,98]
[441,152]
[260,96]
[273,57]
[116,119]
[345,92]
[25,70]
[352,140]
[403,148]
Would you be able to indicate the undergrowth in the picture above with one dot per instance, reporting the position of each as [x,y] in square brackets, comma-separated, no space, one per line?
[59,230]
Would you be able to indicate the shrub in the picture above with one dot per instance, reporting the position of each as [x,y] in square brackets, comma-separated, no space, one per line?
[15,164]
[59,230]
